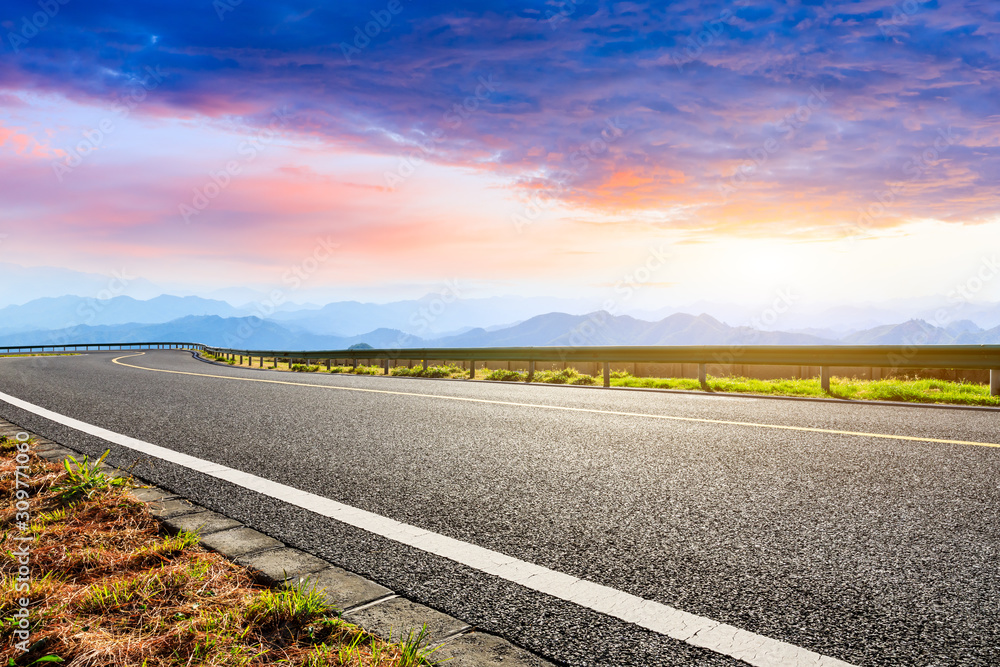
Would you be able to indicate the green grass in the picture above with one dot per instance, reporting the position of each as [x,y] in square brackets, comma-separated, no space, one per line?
[901,389]
[915,391]
[303,368]
[109,588]
[448,371]
[42,354]
[904,389]
[85,478]
[504,375]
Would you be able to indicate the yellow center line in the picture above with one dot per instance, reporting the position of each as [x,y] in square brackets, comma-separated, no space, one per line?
[781,427]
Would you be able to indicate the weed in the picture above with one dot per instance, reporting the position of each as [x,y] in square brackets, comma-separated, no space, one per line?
[109,589]
[48,518]
[303,368]
[85,478]
[297,605]
[505,375]
[565,376]
[413,652]
[446,371]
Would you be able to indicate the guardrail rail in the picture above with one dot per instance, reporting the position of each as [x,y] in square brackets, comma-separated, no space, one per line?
[962,357]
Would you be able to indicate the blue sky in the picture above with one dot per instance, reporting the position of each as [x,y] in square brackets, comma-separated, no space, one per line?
[520,147]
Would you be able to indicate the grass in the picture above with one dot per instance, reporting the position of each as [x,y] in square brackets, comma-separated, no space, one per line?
[901,389]
[41,354]
[108,588]
[446,371]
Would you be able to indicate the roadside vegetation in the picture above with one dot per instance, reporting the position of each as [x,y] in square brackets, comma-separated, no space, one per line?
[109,588]
[902,389]
[41,354]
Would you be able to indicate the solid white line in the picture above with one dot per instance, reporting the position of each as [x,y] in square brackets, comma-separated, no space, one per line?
[695,630]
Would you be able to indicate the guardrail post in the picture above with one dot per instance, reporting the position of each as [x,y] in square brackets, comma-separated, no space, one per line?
[261,364]
[531,371]
[703,376]
[354,363]
[995,382]
[425,364]
[472,370]
[824,378]
[607,373]
[327,364]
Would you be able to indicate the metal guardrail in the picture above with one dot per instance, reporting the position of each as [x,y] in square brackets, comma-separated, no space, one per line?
[965,357]
[985,357]
[86,347]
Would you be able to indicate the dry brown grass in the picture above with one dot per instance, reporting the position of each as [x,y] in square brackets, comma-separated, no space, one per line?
[109,588]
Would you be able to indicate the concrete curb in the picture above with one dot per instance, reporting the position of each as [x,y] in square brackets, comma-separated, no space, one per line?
[684,392]
[359,600]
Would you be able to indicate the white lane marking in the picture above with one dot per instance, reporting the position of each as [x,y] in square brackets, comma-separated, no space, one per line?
[695,630]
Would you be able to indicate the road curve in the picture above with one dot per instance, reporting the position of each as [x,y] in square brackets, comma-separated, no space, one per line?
[864,533]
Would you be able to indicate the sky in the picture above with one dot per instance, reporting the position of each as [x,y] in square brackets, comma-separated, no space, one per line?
[381,150]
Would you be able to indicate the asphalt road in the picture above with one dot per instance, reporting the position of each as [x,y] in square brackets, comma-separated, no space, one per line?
[871,550]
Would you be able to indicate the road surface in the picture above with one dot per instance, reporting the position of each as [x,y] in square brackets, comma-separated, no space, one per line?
[864,533]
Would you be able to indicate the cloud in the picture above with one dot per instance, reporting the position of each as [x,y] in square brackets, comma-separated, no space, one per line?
[700,90]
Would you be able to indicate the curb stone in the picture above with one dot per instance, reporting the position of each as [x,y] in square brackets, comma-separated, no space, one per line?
[276,566]
[360,601]
[344,590]
[203,523]
[392,619]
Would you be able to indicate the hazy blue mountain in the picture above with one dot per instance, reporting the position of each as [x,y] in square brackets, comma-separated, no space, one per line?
[962,327]
[913,332]
[22,284]
[988,337]
[601,328]
[236,332]
[430,316]
[551,329]
[66,311]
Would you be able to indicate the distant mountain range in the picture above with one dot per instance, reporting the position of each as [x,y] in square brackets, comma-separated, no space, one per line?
[469,320]
[598,328]
[68,311]
[431,316]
